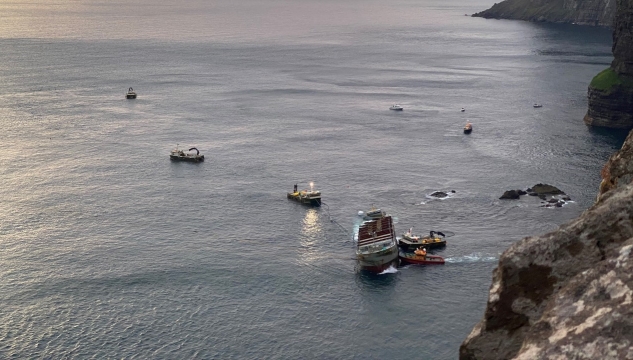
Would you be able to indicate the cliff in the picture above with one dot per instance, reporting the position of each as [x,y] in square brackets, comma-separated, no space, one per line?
[610,94]
[583,12]
[568,294]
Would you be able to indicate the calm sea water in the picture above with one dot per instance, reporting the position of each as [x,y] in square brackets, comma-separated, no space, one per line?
[109,250]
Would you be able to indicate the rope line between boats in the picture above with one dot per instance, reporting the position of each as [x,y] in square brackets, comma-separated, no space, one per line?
[327,211]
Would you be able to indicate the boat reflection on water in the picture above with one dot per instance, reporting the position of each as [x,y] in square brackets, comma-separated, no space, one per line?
[311,235]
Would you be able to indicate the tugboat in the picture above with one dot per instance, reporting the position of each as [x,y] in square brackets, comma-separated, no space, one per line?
[309,197]
[377,249]
[468,128]
[179,155]
[420,257]
[130,94]
[410,242]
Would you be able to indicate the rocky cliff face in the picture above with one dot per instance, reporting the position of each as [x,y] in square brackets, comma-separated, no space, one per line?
[567,294]
[611,107]
[610,94]
[583,12]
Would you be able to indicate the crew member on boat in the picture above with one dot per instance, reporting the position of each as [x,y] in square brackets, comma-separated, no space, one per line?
[421,252]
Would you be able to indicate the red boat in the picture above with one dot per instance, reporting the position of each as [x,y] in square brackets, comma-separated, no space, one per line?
[412,258]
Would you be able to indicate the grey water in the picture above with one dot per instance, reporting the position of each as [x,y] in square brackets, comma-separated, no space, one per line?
[109,250]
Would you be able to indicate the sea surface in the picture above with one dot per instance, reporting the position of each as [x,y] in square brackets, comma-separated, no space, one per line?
[109,250]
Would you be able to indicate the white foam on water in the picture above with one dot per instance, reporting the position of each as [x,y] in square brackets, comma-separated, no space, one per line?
[471,258]
[390,270]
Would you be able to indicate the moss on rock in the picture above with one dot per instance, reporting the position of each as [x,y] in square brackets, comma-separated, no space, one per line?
[607,79]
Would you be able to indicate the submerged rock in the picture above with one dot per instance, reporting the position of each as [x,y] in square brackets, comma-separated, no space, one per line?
[439,194]
[510,194]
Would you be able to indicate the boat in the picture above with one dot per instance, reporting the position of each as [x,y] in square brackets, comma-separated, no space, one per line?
[373,214]
[468,128]
[410,242]
[396,107]
[308,197]
[376,248]
[130,94]
[537,105]
[413,258]
[180,155]
[463,110]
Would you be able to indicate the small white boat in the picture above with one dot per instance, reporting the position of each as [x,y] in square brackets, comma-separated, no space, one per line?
[537,105]
[396,107]
[463,110]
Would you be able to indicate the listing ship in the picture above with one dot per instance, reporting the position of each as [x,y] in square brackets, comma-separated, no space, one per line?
[377,248]
[308,197]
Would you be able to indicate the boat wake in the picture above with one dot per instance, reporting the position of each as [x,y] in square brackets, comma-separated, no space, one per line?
[389,270]
[472,258]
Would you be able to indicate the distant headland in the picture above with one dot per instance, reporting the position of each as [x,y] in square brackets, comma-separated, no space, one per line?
[581,12]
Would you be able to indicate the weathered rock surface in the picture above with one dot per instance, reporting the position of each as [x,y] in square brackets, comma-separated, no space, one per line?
[565,294]
[610,94]
[511,195]
[618,171]
[583,12]
[439,194]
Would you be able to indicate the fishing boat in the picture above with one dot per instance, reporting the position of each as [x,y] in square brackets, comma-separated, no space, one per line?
[376,248]
[410,242]
[308,197]
[413,258]
[396,107]
[130,94]
[468,128]
[180,155]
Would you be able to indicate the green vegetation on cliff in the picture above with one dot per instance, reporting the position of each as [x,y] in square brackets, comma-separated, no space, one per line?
[607,79]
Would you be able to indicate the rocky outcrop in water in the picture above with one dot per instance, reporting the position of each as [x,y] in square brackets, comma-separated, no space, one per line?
[565,294]
[583,12]
[610,93]
[540,190]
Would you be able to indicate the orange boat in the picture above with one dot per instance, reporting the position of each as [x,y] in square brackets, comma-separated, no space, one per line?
[418,258]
